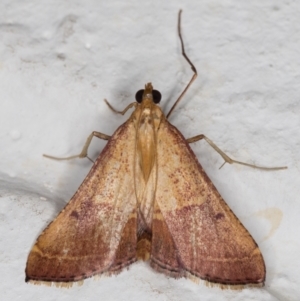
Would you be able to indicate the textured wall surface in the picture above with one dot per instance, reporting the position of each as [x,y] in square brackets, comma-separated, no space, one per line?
[60,59]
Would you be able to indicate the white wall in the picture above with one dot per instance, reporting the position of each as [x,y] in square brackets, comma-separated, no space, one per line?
[60,59]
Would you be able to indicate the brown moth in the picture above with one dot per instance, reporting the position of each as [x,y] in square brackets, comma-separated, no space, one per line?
[147,197]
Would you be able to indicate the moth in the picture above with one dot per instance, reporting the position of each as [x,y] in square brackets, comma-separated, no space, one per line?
[147,198]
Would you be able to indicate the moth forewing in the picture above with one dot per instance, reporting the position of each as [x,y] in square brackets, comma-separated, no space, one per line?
[95,232]
[207,239]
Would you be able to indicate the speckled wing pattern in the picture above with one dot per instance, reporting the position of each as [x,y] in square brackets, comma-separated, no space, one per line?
[96,232]
[145,197]
[194,231]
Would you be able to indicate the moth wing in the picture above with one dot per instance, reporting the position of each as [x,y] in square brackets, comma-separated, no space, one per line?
[194,231]
[96,231]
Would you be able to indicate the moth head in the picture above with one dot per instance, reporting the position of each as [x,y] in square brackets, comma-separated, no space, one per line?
[148,93]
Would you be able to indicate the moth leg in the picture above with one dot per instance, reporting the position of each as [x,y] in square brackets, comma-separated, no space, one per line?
[133,104]
[83,153]
[225,157]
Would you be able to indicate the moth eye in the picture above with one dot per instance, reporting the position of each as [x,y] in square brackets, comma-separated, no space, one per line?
[156,96]
[139,96]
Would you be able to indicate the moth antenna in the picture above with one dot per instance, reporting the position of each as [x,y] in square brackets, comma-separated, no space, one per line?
[188,60]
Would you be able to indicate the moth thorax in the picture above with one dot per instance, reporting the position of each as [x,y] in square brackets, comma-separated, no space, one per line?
[146,146]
